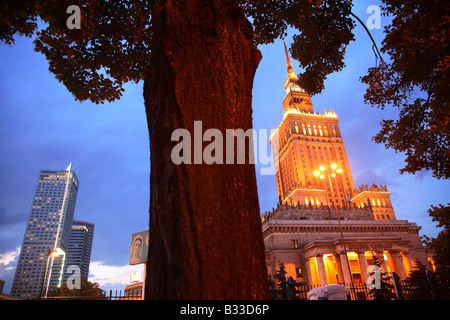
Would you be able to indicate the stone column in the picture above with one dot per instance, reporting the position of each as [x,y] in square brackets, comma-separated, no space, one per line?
[308,271]
[321,269]
[383,262]
[339,267]
[407,260]
[363,265]
[399,266]
[345,270]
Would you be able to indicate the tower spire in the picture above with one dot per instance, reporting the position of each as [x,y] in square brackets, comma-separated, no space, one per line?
[297,98]
[290,70]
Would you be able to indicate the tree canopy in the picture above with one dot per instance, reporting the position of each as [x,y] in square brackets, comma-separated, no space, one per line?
[441,245]
[417,280]
[113,46]
[87,290]
[385,290]
[415,81]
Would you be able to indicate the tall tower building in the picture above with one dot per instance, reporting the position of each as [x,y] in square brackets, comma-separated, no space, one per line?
[80,247]
[304,142]
[324,230]
[46,240]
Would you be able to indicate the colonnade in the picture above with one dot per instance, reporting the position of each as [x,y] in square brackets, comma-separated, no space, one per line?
[332,268]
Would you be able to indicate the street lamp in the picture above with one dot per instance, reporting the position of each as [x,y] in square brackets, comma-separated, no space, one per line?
[47,275]
[331,173]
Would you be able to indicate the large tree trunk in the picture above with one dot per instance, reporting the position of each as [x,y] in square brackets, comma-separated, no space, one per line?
[205,229]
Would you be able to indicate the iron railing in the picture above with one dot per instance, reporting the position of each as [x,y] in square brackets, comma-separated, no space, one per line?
[104,295]
[406,290]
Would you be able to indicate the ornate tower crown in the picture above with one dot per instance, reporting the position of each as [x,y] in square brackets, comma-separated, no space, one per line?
[297,98]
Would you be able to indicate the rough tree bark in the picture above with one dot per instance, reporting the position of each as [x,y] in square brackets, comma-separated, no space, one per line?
[205,229]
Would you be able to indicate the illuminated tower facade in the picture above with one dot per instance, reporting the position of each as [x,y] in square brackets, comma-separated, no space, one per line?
[306,141]
[324,230]
[303,142]
[46,240]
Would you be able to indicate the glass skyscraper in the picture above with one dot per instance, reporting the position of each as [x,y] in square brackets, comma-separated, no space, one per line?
[45,244]
[80,246]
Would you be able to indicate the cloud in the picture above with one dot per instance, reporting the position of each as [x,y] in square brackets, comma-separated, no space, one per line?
[8,262]
[9,257]
[107,274]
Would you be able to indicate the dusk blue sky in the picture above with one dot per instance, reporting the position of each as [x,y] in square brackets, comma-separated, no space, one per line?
[43,127]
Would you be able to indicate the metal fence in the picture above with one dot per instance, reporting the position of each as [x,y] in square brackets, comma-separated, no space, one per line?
[104,295]
[402,290]
[128,295]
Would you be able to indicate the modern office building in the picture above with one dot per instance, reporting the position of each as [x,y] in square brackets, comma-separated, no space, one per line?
[46,241]
[80,246]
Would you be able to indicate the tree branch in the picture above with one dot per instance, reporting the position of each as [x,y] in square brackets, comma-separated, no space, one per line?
[370,35]
[367,31]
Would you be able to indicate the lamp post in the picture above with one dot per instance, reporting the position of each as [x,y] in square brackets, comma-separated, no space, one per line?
[332,173]
[47,275]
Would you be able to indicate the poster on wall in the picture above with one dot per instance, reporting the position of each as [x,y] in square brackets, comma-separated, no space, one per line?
[139,247]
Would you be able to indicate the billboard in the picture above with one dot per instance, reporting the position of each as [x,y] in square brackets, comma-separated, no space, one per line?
[136,277]
[139,247]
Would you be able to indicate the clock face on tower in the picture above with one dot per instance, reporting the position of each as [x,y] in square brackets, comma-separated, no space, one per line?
[293,87]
